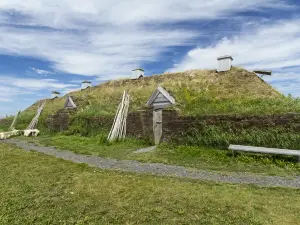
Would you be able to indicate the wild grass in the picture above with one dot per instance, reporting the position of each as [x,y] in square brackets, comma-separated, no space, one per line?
[39,189]
[5,123]
[221,136]
[205,104]
[190,156]
[24,119]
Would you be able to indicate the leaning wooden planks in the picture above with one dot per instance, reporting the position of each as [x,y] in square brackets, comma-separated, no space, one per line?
[118,130]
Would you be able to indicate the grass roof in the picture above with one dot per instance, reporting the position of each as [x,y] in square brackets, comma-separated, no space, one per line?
[197,92]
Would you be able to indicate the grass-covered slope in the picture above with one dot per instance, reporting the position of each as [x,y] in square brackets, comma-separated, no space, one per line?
[197,92]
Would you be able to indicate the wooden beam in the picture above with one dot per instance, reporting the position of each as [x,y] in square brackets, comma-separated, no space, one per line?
[264,150]
[264,72]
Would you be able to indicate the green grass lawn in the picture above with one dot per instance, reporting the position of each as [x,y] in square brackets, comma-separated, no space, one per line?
[96,145]
[222,160]
[195,157]
[39,189]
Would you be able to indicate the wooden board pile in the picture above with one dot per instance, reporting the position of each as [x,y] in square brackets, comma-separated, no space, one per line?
[30,131]
[118,130]
[8,134]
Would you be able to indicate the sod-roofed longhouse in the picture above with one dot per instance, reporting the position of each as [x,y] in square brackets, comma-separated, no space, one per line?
[197,92]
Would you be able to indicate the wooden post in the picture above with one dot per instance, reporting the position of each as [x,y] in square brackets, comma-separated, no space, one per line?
[157,125]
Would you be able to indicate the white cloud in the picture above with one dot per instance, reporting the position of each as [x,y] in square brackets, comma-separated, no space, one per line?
[286,82]
[94,53]
[268,46]
[108,38]
[41,72]
[19,93]
[33,84]
[76,13]
[9,93]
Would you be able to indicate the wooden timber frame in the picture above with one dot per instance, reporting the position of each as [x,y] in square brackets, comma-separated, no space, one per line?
[159,100]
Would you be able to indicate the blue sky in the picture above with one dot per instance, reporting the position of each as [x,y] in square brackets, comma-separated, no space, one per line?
[54,45]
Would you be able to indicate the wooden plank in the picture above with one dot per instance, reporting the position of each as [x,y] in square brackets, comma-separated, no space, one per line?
[166,94]
[264,150]
[12,126]
[157,106]
[160,98]
[157,126]
[114,123]
[34,121]
[264,72]
[125,117]
[118,130]
[116,126]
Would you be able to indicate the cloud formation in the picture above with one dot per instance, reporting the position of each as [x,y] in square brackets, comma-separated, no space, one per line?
[33,84]
[41,72]
[107,38]
[270,46]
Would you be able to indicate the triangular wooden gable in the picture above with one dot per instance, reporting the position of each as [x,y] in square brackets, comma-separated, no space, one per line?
[70,103]
[160,98]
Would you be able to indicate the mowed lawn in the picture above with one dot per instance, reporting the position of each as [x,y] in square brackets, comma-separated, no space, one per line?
[195,157]
[39,189]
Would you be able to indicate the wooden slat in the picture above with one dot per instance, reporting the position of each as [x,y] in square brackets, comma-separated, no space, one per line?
[264,150]
[264,72]
[35,119]
[160,98]
[12,126]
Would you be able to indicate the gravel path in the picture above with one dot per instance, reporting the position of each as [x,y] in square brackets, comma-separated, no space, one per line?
[161,169]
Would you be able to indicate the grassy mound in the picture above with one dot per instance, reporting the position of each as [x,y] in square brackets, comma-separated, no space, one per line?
[197,92]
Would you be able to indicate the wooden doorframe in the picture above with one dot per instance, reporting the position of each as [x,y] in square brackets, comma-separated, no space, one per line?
[157,125]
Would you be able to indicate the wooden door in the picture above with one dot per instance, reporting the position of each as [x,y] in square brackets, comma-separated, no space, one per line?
[157,125]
